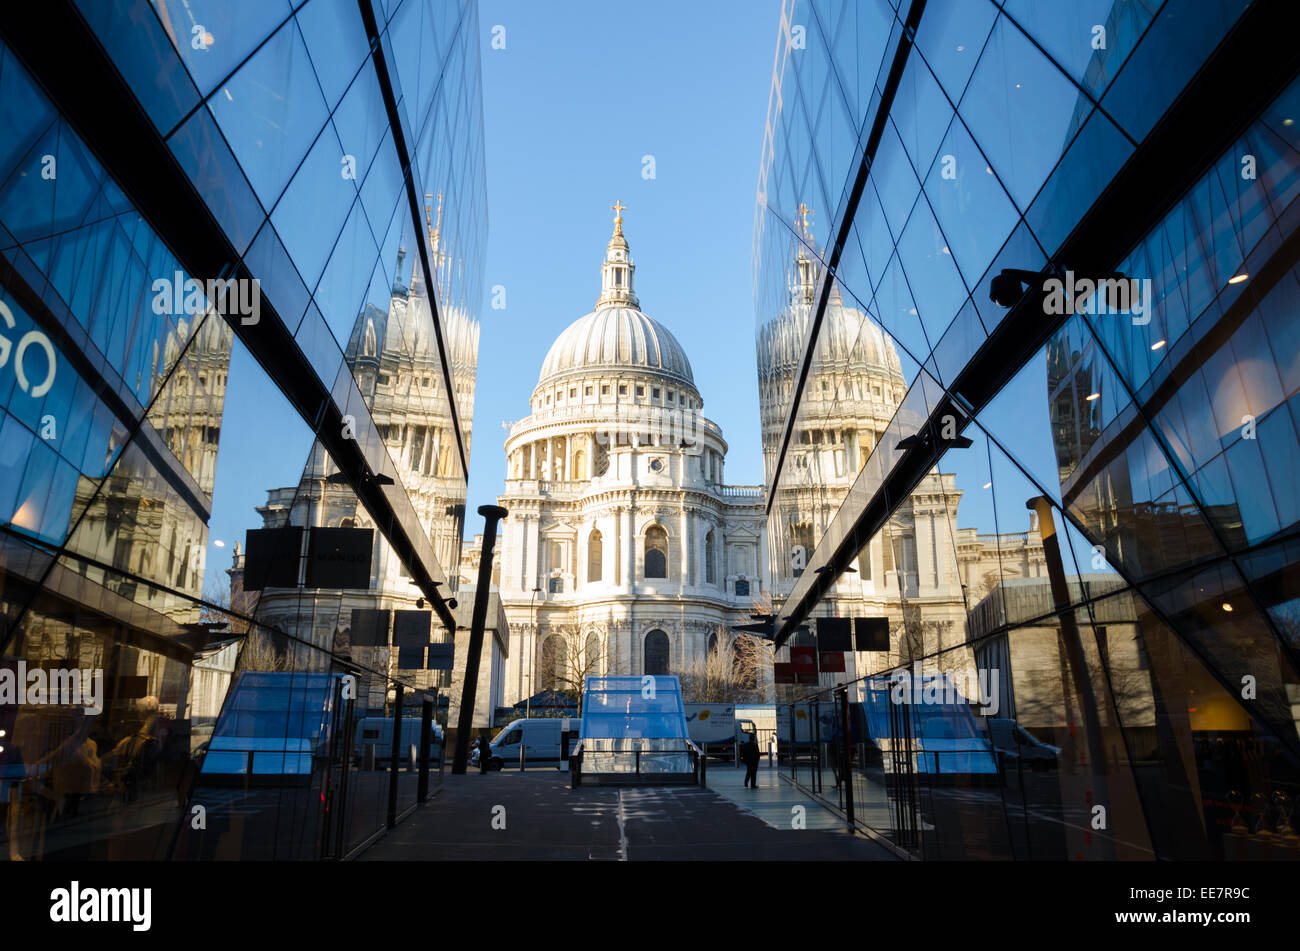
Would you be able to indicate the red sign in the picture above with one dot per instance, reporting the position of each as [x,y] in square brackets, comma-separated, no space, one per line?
[782,674]
[832,662]
[803,660]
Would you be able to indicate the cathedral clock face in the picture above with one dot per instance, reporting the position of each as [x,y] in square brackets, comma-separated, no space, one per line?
[656,465]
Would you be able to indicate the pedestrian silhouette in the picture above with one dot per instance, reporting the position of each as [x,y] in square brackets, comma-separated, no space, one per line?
[749,755]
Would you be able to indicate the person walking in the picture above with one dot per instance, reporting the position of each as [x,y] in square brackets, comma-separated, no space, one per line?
[749,755]
[484,753]
[771,750]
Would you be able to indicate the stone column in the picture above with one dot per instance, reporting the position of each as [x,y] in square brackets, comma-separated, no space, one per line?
[685,548]
[629,532]
[616,547]
[532,460]
[531,552]
[568,459]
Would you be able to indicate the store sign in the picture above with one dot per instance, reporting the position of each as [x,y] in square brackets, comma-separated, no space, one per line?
[38,384]
[339,557]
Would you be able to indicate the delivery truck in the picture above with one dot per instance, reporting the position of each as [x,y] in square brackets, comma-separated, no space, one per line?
[714,728]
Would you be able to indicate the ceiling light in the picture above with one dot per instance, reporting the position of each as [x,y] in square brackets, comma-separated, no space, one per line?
[1093,396]
[219,543]
[988,485]
[1226,606]
[1238,278]
[1158,344]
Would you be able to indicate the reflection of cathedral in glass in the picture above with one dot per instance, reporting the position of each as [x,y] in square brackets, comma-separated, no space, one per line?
[923,572]
[394,359]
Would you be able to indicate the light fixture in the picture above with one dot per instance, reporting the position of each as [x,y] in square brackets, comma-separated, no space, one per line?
[988,485]
[1092,396]
[1238,278]
[219,543]
[1226,606]
[1158,344]
[1007,286]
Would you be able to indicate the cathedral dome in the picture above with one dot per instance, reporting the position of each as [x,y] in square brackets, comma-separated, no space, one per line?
[615,338]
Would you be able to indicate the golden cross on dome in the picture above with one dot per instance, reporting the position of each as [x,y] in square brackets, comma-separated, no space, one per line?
[804,212]
[618,208]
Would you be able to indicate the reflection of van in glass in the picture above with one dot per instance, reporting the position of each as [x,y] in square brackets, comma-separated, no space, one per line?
[377,733]
[538,737]
[1015,744]
[945,739]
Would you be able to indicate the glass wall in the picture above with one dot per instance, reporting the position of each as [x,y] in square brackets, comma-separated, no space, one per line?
[1092,650]
[232,499]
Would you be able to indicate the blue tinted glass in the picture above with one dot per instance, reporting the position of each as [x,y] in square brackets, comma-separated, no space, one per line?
[314,207]
[207,160]
[271,111]
[147,59]
[921,113]
[1089,38]
[970,203]
[951,36]
[212,37]
[25,115]
[937,288]
[1178,41]
[1088,166]
[1021,110]
[336,40]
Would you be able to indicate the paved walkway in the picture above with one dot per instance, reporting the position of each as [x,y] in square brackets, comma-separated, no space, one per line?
[775,801]
[510,815]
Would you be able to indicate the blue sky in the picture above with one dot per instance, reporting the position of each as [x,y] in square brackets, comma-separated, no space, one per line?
[571,105]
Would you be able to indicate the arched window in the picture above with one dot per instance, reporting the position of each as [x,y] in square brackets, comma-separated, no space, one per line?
[591,659]
[579,466]
[555,650]
[656,552]
[710,573]
[713,642]
[656,654]
[595,556]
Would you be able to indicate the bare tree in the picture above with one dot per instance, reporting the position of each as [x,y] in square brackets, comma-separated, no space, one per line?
[565,662]
[733,670]
[261,652]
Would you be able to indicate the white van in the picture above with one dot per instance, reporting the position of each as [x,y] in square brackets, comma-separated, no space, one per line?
[377,733]
[539,737]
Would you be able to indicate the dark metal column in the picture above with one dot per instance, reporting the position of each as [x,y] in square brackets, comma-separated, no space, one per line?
[1073,645]
[426,740]
[392,766]
[465,722]
[846,755]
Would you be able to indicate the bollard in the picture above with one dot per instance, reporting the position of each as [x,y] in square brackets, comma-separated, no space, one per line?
[522,752]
